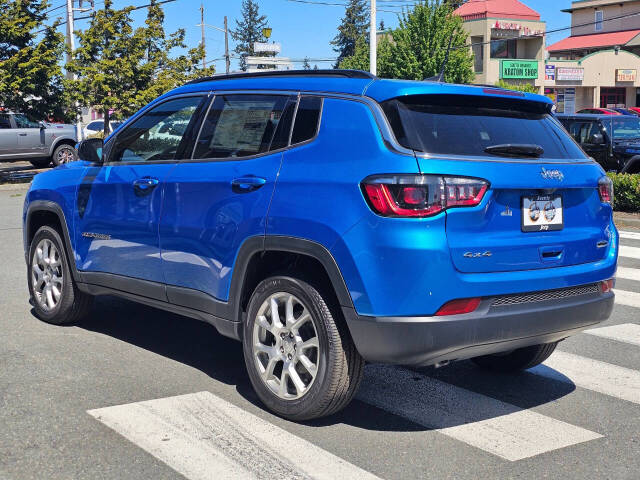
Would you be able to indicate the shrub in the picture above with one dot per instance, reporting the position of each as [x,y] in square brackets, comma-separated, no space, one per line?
[626,189]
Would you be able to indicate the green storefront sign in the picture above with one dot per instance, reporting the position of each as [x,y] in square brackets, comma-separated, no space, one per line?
[519,69]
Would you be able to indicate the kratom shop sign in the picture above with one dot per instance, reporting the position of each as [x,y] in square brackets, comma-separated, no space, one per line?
[519,69]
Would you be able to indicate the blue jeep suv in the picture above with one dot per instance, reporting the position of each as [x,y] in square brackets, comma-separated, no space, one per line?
[327,219]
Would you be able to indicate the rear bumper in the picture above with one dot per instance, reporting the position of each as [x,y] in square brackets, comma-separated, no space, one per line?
[489,329]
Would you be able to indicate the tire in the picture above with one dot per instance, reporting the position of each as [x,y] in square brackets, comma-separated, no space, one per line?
[337,365]
[64,154]
[517,360]
[69,305]
[40,162]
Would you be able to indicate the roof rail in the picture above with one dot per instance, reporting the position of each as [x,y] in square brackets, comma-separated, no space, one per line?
[288,73]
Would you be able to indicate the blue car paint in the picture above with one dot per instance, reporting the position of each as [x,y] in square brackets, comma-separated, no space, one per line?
[391,266]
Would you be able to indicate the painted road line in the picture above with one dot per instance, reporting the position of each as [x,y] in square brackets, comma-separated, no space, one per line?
[626,332]
[629,252]
[628,273]
[491,425]
[612,380]
[202,436]
[630,299]
[630,235]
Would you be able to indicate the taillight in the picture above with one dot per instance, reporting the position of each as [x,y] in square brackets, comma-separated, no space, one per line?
[456,307]
[421,195]
[605,189]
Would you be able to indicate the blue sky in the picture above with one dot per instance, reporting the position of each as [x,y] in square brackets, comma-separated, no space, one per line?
[304,30]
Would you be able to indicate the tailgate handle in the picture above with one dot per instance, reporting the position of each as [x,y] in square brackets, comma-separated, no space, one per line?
[551,253]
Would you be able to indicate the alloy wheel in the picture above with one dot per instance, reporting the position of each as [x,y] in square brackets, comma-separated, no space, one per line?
[285,344]
[65,155]
[47,275]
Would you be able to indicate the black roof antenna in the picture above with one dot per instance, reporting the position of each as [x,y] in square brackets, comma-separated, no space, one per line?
[440,76]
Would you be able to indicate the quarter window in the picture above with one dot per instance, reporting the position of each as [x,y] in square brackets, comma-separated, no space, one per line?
[157,134]
[243,125]
[23,122]
[307,119]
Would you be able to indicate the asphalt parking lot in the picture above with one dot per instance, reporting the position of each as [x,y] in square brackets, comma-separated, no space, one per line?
[137,393]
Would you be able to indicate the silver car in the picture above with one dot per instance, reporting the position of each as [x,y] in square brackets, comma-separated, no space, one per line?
[38,142]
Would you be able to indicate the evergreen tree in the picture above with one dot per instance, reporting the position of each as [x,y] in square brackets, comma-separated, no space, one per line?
[31,79]
[381,28]
[354,24]
[120,69]
[248,31]
[315,67]
[306,65]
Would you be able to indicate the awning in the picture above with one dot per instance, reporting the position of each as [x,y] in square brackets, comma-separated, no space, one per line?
[581,42]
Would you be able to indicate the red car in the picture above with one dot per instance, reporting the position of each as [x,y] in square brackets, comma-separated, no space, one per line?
[635,110]
[599,111]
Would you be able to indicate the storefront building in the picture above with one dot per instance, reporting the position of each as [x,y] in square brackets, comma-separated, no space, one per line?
[507,41]
[597,66]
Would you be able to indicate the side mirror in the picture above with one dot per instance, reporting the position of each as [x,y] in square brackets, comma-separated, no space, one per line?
[90,150]
[596,139]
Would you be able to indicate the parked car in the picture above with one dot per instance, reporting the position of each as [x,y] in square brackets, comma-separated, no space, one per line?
[635,110]
[626,111]
[599,111]
[328,218]
[22,138]
[613,141]
[97,126]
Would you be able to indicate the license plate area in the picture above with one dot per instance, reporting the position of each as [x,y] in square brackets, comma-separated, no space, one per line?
[542,213]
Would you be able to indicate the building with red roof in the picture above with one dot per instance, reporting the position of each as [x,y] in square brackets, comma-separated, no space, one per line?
[507,41]
[597,66]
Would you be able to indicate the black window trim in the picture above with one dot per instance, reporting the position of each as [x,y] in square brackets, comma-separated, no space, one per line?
[114,138]
[289,145]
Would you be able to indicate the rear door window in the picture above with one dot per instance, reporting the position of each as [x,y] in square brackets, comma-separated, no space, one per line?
[243,125]
[467,125]
[5,122]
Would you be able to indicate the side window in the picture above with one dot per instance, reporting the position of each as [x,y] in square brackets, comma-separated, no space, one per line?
[5,122]
[157,134]
[599,20]
[23,122]
[307,119]
[244,125]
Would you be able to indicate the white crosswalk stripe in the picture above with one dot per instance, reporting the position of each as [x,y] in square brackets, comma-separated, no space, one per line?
[630,299]
[628,273]
[630,235]
[203,437]
[483,422]
[612,380]
[629,252]
[626,332]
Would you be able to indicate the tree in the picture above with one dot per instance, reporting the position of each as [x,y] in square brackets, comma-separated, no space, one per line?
[306,65]
[31,79]
[248,31]
[381,27]
[418,47]
[158,71]
[120,69]
[354,25]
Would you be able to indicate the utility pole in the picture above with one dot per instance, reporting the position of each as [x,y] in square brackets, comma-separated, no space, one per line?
[373,53]
[226,45]
[72,46]
[204,48]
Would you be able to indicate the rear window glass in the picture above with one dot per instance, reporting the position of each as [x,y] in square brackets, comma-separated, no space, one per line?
[458,125]
[307,118]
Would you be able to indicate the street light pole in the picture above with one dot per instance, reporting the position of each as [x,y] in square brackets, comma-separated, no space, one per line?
[373,54]
[204,48]
[72,46]
[226,45]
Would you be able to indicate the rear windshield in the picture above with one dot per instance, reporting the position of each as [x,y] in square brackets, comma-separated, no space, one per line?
[465,125]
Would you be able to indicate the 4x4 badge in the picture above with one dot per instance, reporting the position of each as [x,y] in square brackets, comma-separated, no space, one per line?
[551,174]
[507,212]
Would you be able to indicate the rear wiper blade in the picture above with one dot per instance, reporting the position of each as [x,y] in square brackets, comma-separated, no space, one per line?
[515,150]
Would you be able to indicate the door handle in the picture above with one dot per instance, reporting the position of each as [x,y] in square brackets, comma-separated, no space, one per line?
[247,184]
[145,185]
[22,134]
